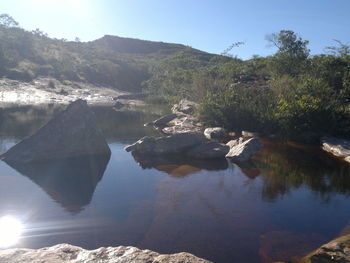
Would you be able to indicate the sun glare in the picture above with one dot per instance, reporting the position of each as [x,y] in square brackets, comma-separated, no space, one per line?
[10,231]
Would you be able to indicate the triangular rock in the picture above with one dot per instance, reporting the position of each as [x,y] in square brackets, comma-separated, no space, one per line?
[71,133]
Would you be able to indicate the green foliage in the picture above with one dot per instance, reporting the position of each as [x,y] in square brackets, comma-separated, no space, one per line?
[289,93]
[292,54]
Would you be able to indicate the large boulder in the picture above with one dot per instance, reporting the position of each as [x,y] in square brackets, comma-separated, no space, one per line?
[337,147]
[71,133]
[185,106]
[243,151]
[215,133]
[172,144]
[209,150]
[336,251]
[64,253]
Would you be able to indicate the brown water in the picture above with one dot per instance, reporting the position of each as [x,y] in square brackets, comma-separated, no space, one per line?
[288,200]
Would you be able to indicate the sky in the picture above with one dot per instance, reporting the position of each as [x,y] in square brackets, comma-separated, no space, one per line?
[208,25]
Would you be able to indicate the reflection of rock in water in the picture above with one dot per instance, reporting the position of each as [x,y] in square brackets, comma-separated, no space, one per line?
[71,182]
[179,166]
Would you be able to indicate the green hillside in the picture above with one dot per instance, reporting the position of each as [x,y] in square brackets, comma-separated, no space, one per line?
[122,63]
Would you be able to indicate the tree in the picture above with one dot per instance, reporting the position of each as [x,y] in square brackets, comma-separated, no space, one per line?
[39,33]
[292,53]
[7,21]
[226,52]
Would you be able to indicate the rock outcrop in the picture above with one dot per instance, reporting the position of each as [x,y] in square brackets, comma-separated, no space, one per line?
[243,151]
[163,121]
[250,134]
[215,133]
[177,143]
[209,150]
[65,253]
[183,124]
[71,133]
[336,251]
[233,143]
[185,106]
[337,147]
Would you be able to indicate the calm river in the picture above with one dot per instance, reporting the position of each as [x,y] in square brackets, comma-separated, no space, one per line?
[288,200]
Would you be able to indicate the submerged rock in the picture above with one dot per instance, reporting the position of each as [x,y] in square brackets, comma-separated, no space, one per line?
[215,133]
[337,147]
[185,106]
[176,143]
[71,133]
[336,251]
[209,150]
[64,253]
[243,151]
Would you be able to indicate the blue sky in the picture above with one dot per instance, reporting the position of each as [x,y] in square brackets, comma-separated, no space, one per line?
[207,25]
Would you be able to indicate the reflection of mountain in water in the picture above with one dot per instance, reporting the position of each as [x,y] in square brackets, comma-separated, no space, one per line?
[179,166]
[71,182]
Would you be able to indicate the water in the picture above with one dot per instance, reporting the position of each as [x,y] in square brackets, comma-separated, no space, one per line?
[285,202]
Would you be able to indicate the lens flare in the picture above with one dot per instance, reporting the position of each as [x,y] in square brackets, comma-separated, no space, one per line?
[10,231]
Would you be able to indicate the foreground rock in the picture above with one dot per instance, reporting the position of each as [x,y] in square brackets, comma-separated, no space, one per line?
[185,106]
[172,144]
[71,133]
[243,151]
[215,133]
[65,253]
[209,150]
[336,251]
[337,147]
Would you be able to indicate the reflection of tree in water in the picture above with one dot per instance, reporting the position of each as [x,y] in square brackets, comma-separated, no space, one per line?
[23,121]
[288,166]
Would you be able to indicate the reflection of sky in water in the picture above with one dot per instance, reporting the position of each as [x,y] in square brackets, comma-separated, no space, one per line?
[281,204]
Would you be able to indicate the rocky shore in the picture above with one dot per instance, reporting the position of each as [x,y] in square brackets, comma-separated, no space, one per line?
[64,253]
[46,90]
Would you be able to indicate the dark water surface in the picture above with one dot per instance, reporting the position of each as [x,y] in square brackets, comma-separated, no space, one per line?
[287,201]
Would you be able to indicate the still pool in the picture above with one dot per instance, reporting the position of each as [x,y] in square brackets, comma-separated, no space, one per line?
[288,200]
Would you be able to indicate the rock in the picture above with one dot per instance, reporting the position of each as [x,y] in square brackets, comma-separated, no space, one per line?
[250,134]
[216,133]
[64,253]
[232,134]
[184,106]
[209,150]
[235,142]
[337,147]
[118,105]
[243,151]
[132,96]
[183,124]
[176,143]
[164,120]
[336,251]
[70,133]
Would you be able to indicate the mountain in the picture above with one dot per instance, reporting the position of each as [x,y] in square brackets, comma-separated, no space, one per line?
[121,63]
